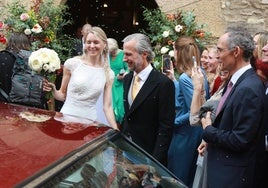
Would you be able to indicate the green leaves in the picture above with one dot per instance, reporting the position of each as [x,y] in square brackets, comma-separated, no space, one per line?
[164,29]
[42,23]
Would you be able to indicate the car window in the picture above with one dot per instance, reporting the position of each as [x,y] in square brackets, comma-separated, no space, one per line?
[114,164]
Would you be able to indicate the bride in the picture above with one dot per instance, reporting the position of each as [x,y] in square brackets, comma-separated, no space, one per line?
[85,78]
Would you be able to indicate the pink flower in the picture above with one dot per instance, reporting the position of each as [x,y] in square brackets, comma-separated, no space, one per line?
[1,24]
[24,17]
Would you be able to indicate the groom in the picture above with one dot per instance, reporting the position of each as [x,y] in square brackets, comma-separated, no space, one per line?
[150,115]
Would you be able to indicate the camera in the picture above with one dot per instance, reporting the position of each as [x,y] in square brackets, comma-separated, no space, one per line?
[166,60]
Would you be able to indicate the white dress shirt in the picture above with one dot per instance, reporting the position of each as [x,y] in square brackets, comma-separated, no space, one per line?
[143,75]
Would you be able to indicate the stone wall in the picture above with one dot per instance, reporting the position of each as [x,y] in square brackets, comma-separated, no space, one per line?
[219,14]
[251,13]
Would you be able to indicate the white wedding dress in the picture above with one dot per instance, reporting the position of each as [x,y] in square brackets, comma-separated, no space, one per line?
[84,89]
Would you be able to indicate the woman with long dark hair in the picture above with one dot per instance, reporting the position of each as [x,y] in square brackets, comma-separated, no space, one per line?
[16,43]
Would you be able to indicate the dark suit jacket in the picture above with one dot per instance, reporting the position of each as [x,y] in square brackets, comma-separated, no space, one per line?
[150,118]
[6,70]
[77,47]
[261,170]
[235,135]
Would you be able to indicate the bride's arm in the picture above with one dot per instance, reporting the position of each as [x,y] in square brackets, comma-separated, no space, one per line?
[61,93]
[107,104]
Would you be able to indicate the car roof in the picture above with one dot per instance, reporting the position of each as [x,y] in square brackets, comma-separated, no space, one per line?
[31,139]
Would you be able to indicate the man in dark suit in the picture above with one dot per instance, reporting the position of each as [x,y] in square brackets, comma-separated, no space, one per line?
[236,135]
[149,117]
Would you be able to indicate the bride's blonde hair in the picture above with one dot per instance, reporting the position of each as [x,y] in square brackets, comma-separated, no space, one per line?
[99,33]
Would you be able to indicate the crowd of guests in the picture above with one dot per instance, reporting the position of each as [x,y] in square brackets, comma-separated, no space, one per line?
[209,126]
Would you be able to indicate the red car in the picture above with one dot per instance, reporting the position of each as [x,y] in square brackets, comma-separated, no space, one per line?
[40,148]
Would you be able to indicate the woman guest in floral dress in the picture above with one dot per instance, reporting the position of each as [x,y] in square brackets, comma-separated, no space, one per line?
[183,153]
[120,70]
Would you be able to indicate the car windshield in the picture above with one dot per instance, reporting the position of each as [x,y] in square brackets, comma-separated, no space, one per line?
[114,164]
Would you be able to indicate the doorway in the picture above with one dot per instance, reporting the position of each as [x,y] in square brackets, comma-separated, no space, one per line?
[118,18]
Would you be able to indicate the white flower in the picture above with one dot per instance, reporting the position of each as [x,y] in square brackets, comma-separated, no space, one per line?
[178,28]
[165,34]
[44,59]
[171,53]
[24,17]
[46,67]
[44,55]
[27,31]
[35,63]
[54,65]
[164,50]
[37,28]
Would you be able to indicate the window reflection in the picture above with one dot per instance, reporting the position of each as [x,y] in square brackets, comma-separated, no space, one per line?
[115,165]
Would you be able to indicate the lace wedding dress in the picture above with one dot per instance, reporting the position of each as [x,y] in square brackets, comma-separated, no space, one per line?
[84,89]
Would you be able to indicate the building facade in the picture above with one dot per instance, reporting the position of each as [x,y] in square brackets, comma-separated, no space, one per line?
[216,14]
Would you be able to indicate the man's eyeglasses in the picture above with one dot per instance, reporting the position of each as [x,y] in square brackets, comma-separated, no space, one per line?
[220,50]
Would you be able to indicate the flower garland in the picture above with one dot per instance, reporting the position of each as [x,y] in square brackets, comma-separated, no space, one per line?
[164,29]
[42,23]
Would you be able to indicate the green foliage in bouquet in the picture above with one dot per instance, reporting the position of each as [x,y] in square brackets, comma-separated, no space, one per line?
[164,29]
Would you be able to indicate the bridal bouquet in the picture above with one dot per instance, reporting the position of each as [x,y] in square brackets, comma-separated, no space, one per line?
[45,62]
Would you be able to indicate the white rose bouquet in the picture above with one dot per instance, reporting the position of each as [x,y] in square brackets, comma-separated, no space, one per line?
[45,62]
